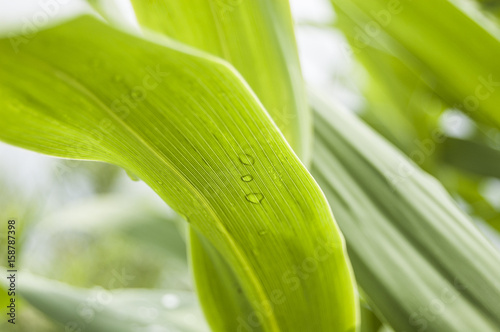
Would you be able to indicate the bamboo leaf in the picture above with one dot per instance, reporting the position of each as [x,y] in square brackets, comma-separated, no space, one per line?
[191,128]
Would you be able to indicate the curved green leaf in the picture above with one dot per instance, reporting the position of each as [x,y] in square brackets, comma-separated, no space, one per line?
[257,38]
[189,126]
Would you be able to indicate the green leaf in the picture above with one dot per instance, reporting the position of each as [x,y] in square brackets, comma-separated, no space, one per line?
[399,104]
[189,127]
[101,310]
[456,55]
[491,8]
[419,259]
[257,38]
[369,320]
[470,188]
[472,157]
[220,293]
[406,110]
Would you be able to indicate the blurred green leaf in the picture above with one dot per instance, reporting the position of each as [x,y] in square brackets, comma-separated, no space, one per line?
[83,243]
[404,105]
[432,44]
[101,310]
[218,289]
[369,321]
[468,186]
[472,157]
[419,259]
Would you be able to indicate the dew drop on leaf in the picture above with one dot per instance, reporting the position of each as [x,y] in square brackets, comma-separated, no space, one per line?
[254,198]
[247,178]
[262,232]
[246,159]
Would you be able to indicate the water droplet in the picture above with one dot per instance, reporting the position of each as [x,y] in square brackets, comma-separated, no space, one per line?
[159,182]
[282,157]
[246,159]
[247,178]
[262,232]
[254,198]
[272,172]
[132,176]
[170,301]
